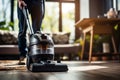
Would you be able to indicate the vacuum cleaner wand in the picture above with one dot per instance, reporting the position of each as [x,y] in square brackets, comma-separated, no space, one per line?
[25,12]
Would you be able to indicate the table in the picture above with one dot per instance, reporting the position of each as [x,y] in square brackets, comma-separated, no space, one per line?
[97,26]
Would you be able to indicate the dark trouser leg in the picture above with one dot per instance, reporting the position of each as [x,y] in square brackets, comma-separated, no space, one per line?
[22,34]
[36,9]
[37,14]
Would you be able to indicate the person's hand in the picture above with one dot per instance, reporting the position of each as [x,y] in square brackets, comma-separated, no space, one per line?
[21,4]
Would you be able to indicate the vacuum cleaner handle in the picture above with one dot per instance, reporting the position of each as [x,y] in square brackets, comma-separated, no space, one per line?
[25,12]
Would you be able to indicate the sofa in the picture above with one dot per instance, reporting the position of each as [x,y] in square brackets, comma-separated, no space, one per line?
[62,47]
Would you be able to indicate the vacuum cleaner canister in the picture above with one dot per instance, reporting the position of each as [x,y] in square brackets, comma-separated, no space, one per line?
[41,55]
[41,47]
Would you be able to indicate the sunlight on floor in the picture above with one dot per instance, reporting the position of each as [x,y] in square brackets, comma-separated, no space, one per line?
[86,68]
[85,65]
[73,66]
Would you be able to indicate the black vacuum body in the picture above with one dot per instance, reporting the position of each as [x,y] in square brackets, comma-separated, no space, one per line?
[40,57]
[41,47]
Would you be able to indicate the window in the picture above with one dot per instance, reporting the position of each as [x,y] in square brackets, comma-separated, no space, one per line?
[51,19]
[118,4]
[68,16]
[4,10]
[60,16]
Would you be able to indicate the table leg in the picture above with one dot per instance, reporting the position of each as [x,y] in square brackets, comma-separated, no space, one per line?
[113,43]
[83,46]
[91,45]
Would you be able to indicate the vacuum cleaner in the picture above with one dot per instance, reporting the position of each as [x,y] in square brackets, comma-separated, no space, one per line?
[40,56]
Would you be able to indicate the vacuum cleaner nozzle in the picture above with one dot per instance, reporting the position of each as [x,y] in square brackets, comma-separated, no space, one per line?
[58,67]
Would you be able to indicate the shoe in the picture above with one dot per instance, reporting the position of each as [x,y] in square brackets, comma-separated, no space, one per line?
[21,61]
[21,58]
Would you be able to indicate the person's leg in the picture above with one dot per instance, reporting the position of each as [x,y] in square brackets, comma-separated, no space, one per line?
[37,14]
[22,35]
[36,9]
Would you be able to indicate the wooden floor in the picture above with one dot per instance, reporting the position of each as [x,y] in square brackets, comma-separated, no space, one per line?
[78,70]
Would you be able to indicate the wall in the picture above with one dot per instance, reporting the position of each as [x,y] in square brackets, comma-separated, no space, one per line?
[84,9]
[99,7]
[93,8]
[96,8]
